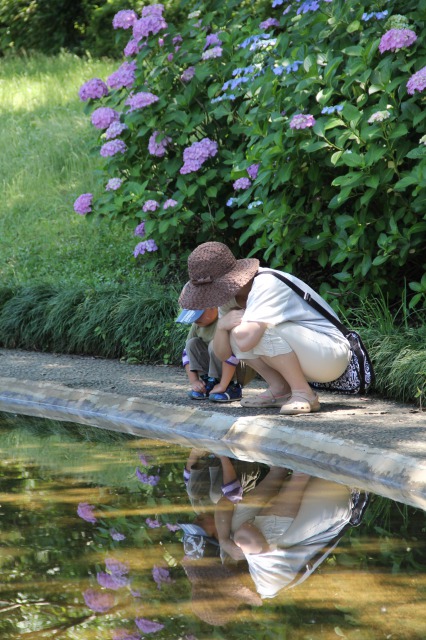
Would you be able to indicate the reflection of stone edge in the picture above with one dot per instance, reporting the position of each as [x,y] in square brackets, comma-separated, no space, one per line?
[271,440]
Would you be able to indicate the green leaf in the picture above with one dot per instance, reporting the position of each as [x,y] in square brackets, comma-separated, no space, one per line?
[354,26]
[417,153]
[356,50]
[351,113]
[352,178]
[353,160]
[405,182]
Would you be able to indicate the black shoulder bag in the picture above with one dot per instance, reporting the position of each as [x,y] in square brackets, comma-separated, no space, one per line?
[359,375]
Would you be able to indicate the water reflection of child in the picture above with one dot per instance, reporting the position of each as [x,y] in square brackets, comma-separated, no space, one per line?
[208,375]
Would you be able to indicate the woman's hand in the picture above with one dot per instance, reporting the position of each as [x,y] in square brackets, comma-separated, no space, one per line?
[231,319]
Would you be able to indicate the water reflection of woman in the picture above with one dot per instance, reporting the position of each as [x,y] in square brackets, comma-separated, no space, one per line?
[282,537]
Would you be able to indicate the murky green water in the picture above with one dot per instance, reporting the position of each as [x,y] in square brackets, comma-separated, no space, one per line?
[90,550]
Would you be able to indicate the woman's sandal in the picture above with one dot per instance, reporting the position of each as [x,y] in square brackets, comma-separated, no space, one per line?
[300,402]
[265,400]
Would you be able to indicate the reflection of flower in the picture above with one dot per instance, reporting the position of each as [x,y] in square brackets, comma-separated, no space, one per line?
[99,601]
[161,576]
[123,634]
[153,524]
[145,460]
[116,567]
[85,511]
[112,581]
[148,626]
[115,535]
[146,479]
[172,527]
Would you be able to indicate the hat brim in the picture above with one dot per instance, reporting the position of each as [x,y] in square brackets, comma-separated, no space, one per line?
[188,316]
[221,290]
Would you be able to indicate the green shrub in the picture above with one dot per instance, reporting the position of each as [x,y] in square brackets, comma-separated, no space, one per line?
[343,194]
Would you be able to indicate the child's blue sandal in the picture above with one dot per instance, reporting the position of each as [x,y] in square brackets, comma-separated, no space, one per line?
[232,393]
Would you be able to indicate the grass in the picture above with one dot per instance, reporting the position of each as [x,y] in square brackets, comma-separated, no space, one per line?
[48,159]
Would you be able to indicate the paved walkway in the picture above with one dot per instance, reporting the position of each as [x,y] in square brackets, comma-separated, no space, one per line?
[376,444]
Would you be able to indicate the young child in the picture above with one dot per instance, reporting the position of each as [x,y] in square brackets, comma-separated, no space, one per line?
[209,377]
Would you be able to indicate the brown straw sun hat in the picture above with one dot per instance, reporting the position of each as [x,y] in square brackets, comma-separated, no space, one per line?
[215,276]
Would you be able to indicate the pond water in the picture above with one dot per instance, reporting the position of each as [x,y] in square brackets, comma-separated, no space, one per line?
[93,548]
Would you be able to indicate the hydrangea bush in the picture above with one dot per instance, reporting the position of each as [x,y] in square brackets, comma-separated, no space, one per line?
[291,130]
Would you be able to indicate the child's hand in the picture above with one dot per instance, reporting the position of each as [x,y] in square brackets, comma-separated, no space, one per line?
[199,386]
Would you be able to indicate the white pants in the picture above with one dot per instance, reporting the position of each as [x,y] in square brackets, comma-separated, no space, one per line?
[323,358]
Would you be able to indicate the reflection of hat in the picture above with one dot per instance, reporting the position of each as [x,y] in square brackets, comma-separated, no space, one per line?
[217,591]
[215,276]
[197,543]
[187,316]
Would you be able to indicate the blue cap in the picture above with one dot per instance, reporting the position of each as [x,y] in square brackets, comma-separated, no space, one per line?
[188,316]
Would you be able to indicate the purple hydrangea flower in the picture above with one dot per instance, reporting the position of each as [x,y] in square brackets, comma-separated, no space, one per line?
[115,129]
[158,148]
[151,22]
[83,205]
[123,634]
[211,40]
[172,527]
[253,170]
[214,52]
[124,19]
[148,626]
[85,511]
[169,203]
[112,581]
[103,117]
[153,524]
[115,567]
[195,155]
[302,121]
[140,231]
[177,39]
[170,57]
[305,7]
[132,48]
[123,77]
[113,184]
[396,39]
[242,183]
[270,22]
[161,576]
[145,460]
[140,100]
[99,601]
[417,82]
[140,249]
[113,147]
[150,205]
[93,90]
[144,477]
[116,535]
[188,74]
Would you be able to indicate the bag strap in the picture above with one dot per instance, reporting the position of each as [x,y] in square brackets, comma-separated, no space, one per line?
[308,298]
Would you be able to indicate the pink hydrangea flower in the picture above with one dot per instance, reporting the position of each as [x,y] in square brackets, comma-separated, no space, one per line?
[139,250]
[253,170]
[195,155]
[93,90]
[124,19]
[169,203]
[150,205]
[158,148]
[417,82]
[214,52]
[148,626]
[302,121]
[188,74]
[140,231]
[83,205]
[123,77]
[99,601]
[396,39]
[103,117]
[113,184]
[140,100]
[113,147]
[241,183]
[115,129]
[270,22]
